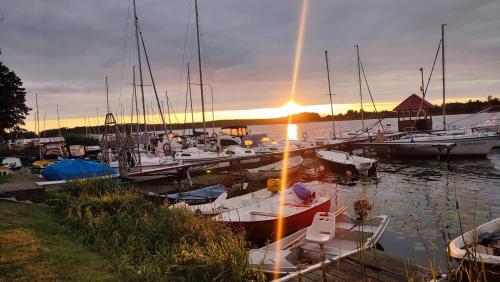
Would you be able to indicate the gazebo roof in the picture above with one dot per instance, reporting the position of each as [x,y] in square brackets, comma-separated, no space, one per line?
[412,103]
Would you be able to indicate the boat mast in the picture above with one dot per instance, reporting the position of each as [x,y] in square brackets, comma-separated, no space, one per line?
[360,91]
[38,126]
[213,114]
[201,76]
[422,87]
[58,120]
[134,94]
[443,70]
[190,96]
[140,67]
[330,92]
[168,110]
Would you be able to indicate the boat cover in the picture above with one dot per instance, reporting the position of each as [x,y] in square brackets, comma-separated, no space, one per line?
[76,169]
[302,192]
[207,193]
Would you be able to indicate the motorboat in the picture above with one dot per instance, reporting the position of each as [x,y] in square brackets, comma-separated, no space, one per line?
[480,245]
[274,170]
[259,220]
[342,162]
[195,155]
[330,237]
[11,162]
[198,196]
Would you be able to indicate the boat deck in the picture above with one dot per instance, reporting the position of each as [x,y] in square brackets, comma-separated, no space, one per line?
[373,265]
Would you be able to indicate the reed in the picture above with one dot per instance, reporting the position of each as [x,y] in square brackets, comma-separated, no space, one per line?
[149,241]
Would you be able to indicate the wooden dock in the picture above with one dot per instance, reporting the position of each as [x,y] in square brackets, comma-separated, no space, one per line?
[22,190]
[372,265]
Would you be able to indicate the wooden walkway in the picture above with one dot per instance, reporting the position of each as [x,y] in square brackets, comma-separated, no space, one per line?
[16,186]
[371,266]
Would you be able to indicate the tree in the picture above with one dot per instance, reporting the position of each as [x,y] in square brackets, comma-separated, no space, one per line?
[13,109]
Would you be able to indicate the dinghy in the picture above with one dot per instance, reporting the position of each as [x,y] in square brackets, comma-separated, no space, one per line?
[273,170]
[480,245]
[341,162]
[199,196]
[246,200]
[212,208]
[259,220]
[331,236]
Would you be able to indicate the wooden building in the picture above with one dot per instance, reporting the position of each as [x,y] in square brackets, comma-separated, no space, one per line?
[407,114]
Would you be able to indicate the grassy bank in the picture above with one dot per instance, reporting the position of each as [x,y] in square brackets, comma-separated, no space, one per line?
[33,247]
[148,240]
[104,231]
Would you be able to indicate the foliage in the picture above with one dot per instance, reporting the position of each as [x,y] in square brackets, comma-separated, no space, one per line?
[13,109]
[149,241]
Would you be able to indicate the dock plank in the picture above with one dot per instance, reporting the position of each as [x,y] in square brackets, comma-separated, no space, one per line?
[371,265]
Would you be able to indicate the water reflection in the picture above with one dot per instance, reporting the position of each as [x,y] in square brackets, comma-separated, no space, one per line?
[421,197]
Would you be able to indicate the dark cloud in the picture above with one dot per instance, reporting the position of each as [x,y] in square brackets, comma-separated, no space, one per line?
[64,49]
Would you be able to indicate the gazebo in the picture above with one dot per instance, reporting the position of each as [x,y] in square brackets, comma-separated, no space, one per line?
[407,114]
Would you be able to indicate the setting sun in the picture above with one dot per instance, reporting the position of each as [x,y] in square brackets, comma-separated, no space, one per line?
[290,108]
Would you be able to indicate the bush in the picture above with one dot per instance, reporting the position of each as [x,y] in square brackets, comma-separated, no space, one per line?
[149,241]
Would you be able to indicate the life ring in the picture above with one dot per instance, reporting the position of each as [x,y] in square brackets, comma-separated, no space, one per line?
[214,135]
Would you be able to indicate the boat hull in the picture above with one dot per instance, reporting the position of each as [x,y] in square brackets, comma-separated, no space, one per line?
[467,147]
[263,230]
[343,168]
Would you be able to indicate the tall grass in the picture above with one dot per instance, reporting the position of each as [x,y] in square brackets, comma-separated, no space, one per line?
[149,241]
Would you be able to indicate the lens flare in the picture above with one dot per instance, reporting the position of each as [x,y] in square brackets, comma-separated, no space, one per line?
[284,174]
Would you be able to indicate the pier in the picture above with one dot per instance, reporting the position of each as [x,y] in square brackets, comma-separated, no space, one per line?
[372,265]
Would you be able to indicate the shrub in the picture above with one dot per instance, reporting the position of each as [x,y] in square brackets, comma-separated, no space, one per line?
[149,241]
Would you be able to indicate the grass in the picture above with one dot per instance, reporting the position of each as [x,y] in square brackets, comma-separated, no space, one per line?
[33,247]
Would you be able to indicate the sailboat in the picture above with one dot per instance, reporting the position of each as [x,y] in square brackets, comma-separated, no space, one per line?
[466,144]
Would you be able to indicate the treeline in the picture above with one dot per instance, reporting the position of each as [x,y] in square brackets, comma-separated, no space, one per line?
[492,103]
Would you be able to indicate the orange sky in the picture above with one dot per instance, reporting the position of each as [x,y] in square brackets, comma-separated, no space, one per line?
[290,108]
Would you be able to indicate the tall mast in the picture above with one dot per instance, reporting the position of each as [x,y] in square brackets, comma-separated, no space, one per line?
[134,93]
[153,83]
[168,110]
[213,114]
[190,96]
[107,96]
[360,91]
[201,76]
[58,120]
[38,126]
[330,92]
[422,87]
[443,69]
[97,120]
[140,67]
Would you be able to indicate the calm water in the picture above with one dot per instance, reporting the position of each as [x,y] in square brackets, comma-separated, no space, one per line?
[418,195]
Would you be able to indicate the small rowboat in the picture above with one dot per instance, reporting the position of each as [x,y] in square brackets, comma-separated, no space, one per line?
[331,236]
[480,245]
[246,200]
[273,170]
[341,162]
[199,196]
[259,220]
[208,209]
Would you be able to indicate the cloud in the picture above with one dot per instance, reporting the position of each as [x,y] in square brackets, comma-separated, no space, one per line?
[64,49]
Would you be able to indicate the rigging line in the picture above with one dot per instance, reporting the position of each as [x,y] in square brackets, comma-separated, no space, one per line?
[428,82]
[370,92]
[185,47]
[124,52]
[471,115]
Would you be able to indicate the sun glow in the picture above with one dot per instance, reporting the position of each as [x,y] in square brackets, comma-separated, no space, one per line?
[290,108]
[291,132]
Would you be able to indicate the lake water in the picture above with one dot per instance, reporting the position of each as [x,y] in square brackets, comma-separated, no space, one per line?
[419,196]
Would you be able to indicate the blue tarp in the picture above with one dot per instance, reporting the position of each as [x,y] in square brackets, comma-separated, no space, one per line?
[76,169]
[209,193]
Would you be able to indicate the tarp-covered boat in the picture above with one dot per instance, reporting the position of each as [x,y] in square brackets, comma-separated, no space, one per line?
[76,169]
[199,196]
